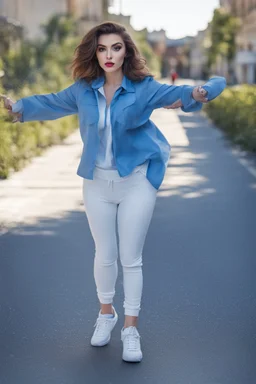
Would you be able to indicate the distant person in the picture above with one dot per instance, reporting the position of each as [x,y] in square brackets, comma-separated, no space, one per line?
[174,75]
[123,161]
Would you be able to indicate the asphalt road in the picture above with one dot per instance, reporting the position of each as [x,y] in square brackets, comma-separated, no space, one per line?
[198,311]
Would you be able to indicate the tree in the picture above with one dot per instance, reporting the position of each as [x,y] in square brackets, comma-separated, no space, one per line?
[152,60]
[224,28]
[18,67]
[59,27]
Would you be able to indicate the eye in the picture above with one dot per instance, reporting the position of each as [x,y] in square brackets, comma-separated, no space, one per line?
[101,49]
[117,48]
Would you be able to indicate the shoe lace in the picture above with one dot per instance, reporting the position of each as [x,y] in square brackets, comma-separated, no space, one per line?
[101,324]
[133,340]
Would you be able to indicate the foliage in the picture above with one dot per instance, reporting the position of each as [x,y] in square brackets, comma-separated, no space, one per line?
[223,28]
[58,28]
[18,67]
[21,141]
[39,67]
[153,61]
[234,112]
[10,33]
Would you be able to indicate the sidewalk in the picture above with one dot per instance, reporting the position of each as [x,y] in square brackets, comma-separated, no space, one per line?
[47,187]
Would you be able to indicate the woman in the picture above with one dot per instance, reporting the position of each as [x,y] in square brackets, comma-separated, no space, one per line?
[123,161]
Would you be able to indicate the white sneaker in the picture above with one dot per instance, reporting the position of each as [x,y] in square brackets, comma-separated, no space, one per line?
[131,344]
[104,326]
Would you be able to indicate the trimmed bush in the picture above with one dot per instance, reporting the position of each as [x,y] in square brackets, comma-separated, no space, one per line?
[235,113]
[19,142]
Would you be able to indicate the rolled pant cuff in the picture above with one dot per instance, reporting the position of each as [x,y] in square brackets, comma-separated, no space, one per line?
[131,312]
[105,301]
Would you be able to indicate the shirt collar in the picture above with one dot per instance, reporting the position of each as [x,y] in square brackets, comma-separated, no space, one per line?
[126,84]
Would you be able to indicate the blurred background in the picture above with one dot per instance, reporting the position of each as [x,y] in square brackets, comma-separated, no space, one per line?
[192,39]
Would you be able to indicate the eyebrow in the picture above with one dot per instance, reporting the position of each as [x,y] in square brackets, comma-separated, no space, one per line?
[111,45]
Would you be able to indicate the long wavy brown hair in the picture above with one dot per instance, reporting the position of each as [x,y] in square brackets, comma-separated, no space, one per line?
[85,63]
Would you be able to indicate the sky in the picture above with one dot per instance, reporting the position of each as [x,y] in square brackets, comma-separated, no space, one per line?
[178,17]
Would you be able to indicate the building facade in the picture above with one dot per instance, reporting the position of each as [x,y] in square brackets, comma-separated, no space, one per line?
[32,13]
[174,53]
[198,54]
[178,55]
[245,60]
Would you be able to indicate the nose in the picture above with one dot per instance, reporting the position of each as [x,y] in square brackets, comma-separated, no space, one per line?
[109,54]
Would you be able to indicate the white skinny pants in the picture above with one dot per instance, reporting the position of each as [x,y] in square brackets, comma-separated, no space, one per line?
[124,206]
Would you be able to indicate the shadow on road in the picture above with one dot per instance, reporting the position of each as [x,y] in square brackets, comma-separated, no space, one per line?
[198,317]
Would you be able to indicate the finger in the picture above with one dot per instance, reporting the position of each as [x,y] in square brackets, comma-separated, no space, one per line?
[173,106]
[203,92]
[176,104]
[7,103]
[169,106]
[202,98]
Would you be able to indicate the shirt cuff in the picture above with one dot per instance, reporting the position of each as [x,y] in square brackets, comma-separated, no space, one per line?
[214,87]
[18,107]
[189,104]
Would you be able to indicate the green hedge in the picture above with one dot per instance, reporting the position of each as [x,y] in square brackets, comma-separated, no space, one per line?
[19,142]
[234,111]
[36,68]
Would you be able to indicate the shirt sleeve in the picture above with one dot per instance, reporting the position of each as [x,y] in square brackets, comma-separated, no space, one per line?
[49,106]
[161,95]
[215,86]
[17,107]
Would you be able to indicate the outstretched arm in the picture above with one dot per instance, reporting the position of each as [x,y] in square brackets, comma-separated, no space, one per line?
[189,98]
[198,94]
[162,95]
[44,107]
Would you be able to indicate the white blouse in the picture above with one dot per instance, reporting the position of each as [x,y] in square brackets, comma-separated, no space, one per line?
[105,158]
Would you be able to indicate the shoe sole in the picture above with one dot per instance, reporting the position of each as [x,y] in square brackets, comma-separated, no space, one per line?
[108,340]
[130,360]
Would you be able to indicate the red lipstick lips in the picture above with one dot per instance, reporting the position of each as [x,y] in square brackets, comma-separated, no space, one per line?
[109,64]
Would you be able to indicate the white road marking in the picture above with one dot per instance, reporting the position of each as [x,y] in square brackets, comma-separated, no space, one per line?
[248,164]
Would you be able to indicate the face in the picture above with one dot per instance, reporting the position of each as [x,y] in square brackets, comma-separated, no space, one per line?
[110,52]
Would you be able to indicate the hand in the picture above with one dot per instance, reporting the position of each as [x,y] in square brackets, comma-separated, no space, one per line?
[8,103]
[199,94]
[175,105]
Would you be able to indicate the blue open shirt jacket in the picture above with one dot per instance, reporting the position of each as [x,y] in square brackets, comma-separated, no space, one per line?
[135,137]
